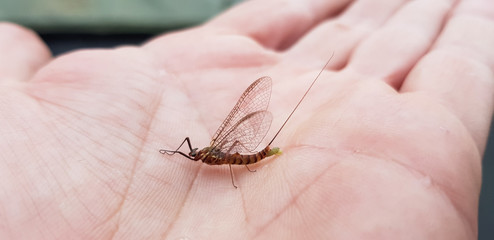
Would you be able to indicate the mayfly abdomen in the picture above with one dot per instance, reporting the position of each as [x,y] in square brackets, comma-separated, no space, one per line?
[245,159]
[240,159]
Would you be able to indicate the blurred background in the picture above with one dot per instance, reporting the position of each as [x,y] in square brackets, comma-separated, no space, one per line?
[66,25]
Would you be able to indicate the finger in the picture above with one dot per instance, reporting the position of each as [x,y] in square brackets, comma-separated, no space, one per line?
[22,53]
[343,34]
[276,23]
[459,69]
[239,38]
[390,53]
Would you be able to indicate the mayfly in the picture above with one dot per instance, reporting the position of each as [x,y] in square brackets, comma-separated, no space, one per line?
[242,130]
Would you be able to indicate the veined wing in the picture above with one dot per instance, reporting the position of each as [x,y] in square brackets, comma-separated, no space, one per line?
[254,99]
[246,134]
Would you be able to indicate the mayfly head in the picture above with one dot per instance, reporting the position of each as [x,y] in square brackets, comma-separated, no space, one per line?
[193,152]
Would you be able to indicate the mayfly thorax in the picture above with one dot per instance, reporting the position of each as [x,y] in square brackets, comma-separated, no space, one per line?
[243,129]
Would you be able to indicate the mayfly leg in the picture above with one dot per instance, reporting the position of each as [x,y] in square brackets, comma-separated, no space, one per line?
[230,165]
[187,139]
[168,152]
[249,168]
[231,175]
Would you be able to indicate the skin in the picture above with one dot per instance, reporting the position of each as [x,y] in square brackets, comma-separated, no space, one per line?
[387,145]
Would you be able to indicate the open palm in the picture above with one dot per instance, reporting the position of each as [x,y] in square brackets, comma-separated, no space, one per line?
[387,145]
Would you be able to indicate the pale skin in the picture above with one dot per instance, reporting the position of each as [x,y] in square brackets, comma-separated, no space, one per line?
[387,145]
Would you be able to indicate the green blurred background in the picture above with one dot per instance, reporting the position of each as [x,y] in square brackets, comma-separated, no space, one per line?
[66,25]
[109,16]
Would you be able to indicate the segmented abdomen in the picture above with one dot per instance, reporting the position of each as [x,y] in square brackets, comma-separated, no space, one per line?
[236,158]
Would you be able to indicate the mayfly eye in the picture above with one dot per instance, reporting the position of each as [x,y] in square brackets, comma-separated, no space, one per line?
[193,153]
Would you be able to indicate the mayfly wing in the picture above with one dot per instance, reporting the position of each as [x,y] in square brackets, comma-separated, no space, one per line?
[254,99]
[246,134]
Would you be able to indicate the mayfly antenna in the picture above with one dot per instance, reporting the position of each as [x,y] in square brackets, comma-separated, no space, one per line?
[305,94]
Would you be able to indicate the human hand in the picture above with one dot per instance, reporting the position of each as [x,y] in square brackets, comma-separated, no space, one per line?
[387,144]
